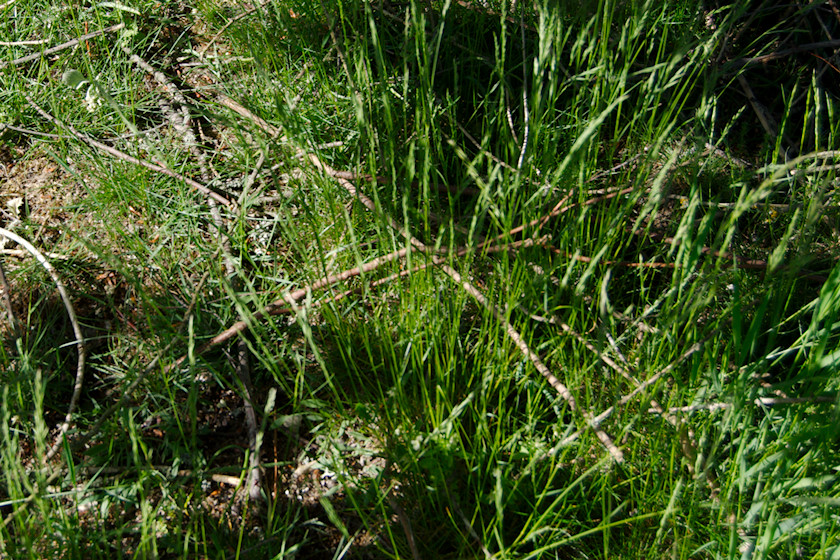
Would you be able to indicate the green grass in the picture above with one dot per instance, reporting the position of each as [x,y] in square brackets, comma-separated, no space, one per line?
[687,297]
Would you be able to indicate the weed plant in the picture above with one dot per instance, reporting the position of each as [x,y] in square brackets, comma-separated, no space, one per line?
[597,171]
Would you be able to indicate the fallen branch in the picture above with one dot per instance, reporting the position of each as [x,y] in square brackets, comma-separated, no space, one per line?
[280,306]
[764,117]
[523,347]
[512,333]
[77,331]
[741,262]
[765,58]
[405,522]
[125,157]
[178,113]
[560,208]
[687,440]
[61,47]
[760,401]
[642,387]
[7,302]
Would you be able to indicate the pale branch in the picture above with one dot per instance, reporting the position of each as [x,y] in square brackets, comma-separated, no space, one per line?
[125,157]
[7,302]
[279,307]
[765,58]
[61,47]
[523,347]
[77,331]
[641,388]
[183,126]
[687,440]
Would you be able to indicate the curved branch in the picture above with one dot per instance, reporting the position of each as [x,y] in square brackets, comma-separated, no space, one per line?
[77,330]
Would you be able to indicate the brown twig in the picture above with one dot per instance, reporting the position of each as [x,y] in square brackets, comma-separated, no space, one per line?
[628,264]
[19,253]
[4,126]
[763,59]
[61,47]
[7,302]
[468,526]
[687,440]
[512,333]
[233,20]
[640,388]
[77,331]
[560,208]
[183,125]
[125,157]
[742,262]
[764,117]
[275,132]
[523,347]
[280,306]
[406,525]
[760,401]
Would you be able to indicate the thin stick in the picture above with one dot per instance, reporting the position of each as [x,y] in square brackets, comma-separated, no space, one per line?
[742,262]
[763,59]
[523,347]
[7,302]
[560,208]
[4,126]
[687,440]
[760,401]
[760,111]
[61,47]
[77,330]
[19,253]
[469,527]
[406,525]
[125,157]
[240,363]
[234,19]
[492,308]
[647,383]
[22,43]
[280,306]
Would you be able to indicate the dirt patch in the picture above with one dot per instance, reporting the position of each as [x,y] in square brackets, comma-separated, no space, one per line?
[36,189]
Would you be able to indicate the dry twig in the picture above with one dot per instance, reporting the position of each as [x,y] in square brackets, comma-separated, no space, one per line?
[7,302]
[77,331]
[125,157]
[61,47]
[183,126]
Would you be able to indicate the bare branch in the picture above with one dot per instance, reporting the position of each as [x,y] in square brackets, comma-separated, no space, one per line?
[77,331]
[61,47]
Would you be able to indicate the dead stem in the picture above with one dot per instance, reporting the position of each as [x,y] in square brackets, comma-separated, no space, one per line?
[77,330]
